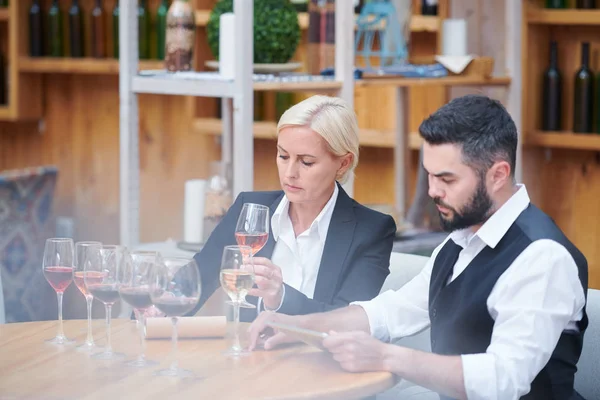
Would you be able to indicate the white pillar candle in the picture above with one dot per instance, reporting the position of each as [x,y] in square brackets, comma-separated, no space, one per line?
[193,216]
[454,37]
[227,45]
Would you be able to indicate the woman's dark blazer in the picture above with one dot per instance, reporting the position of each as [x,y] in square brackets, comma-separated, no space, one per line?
[354,264]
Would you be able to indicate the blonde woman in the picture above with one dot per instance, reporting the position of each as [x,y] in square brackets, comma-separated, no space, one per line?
[325,250]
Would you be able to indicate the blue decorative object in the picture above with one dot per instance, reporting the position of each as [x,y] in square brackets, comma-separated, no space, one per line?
[436,70]
[379,17]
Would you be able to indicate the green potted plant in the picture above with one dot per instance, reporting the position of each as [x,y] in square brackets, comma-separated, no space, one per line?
[276,30]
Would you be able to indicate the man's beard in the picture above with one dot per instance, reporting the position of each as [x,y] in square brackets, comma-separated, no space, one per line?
[475,212]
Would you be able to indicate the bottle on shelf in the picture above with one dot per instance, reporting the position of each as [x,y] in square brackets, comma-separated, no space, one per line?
[584,94]
[358,5]
[143,30]
[55,30]
[115,30]
[36,31]
[3,80]
[161,28]
[76,30]
[180,37]
[556,3]
[98,30]
[300,5]
[429,7]
[585,4]
[3,3]
[552,93]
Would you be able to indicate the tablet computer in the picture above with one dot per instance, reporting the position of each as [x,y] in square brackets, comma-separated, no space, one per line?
[310,337]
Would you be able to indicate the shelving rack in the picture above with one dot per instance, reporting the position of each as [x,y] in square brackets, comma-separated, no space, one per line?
[237,123]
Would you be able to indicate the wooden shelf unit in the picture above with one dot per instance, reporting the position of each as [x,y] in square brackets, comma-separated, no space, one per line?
[77,65]
[564,140]
[268,130]
[562,169]
[418,23]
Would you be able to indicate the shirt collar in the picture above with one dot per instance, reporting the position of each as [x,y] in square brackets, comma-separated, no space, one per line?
[281,218]
[494,229]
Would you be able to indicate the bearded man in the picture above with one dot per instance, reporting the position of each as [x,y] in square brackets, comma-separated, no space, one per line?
[504,294]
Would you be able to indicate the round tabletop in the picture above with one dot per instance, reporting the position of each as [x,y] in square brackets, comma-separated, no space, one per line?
[32,368]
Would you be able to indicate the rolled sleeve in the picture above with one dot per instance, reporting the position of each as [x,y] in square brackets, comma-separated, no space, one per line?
[479,372]
[377,320]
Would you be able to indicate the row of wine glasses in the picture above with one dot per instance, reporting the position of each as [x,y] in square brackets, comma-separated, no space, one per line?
[110,272]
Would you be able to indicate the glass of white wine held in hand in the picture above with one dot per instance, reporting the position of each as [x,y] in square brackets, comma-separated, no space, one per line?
[252,230]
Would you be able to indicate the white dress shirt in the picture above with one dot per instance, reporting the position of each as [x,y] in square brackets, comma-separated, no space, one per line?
[299,257]
[532,303]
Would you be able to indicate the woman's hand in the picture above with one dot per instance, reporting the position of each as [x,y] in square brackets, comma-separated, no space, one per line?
[269,279]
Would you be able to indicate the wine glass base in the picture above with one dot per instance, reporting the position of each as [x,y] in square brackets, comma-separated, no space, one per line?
[175,372]
[108,356]
[87,347]
[244,304]
[60,340]
[141,363]
[235,353]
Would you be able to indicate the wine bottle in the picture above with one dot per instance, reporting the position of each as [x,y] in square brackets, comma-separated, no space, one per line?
[585,4]
[358,5]
[76,29]
[98,49]
[161,28]
[115,30]
[3,3]
[143,31]
[429,7]
[36,40]
[55,30]
[584,92]
[300,5]
[3,78]
[551,96]
[556,3]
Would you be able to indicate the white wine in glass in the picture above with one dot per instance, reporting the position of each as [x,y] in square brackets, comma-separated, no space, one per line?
[237,278]
[175,290]
[58,270]
[85,253]
[252,230]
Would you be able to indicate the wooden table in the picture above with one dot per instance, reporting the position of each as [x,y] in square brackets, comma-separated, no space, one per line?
[31,368]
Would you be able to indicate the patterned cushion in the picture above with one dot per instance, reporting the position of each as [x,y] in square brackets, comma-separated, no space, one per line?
[25,223]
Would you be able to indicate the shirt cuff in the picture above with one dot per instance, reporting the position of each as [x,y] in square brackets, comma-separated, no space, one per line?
[479,374]
[377,320]
[264,308]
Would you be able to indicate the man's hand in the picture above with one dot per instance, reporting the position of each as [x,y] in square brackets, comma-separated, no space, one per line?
[269,282]
[260,332]
[357,351]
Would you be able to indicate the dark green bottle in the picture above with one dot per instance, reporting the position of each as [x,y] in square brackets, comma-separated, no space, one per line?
[76,30]
[36,32]
[3,78]
[143,30]
[115,30]
[55,30]
[583,106]
[161,28]
[552,96]
[98,30]
[556,3]
[3,3]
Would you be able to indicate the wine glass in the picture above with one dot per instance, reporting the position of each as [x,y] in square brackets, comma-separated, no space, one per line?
[252,230]
[175,290]
[134,289]
[237,278]
[85,253]
[101,280]
[58,271]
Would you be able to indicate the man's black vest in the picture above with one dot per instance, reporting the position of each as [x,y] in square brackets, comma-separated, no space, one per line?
[460,321]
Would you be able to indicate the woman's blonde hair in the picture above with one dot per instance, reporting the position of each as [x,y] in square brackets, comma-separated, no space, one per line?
[333,119]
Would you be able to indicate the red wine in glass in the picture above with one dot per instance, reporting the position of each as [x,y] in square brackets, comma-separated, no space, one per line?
[175,307]
[59,277]
[137,297]
[108,294]
[255,241]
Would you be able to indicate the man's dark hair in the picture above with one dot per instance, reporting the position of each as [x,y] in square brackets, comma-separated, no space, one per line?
[480,126]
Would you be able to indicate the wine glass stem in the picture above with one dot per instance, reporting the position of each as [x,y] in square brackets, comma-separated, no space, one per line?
[142,323]
[174,363]
[108,310]
[90,339]
[59,296]
[236,325]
